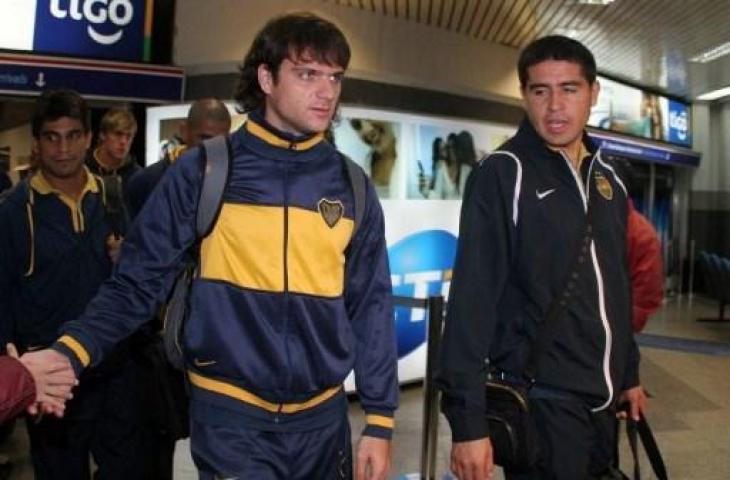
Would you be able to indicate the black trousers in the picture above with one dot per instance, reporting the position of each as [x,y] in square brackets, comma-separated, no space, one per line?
[575,443]
[101,420]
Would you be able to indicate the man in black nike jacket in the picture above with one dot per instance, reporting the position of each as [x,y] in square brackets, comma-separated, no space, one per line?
[522,226]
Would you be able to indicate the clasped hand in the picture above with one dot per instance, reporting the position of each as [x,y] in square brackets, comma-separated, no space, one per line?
[53,377]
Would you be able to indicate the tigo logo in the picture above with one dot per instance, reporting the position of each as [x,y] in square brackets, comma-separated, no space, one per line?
[96,12]
[420,266]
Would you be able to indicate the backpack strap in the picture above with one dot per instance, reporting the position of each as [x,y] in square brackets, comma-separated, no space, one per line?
[217,153]
[113,201]
[358,182]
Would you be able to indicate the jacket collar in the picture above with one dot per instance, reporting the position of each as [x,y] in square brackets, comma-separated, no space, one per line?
[40,184]
[260,128]
[527,135]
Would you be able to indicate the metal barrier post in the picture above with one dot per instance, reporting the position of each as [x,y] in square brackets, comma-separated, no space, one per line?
[429,439]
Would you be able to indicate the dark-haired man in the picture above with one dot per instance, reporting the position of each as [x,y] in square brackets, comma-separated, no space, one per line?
[523,229]
[55,251]
[287,299]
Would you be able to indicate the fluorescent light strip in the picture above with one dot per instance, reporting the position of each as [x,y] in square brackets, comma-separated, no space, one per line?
[712,54]
[715,94]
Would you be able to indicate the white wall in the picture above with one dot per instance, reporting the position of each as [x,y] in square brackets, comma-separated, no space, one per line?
[213,36]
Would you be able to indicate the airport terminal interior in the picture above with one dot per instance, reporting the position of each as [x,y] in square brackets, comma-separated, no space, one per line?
[429,79]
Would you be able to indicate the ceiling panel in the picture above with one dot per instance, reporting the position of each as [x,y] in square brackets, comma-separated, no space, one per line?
[637,40]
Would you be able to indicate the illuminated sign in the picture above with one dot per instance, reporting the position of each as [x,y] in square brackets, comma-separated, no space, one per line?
[117,29]
[625,109]
[420,266]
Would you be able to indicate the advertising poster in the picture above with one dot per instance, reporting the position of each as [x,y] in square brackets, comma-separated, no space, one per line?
[625,109]
[445,155]
[372,144]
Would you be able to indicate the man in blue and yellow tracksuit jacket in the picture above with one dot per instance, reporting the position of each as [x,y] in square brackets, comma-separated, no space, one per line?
[284,304]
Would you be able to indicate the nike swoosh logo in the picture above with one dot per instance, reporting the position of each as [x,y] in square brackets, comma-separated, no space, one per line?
[203,363]
[541,195]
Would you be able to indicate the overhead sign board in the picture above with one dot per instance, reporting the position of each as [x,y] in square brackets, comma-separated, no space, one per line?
[627,109]
[643,151]
[31,74]
[114,29]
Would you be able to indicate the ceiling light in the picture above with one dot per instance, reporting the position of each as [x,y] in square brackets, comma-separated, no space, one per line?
[595,2]
[568,32]
[715,94]
[712,54]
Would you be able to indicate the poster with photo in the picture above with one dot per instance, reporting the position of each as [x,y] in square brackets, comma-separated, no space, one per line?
[445,155]
[374,145]
[626,109]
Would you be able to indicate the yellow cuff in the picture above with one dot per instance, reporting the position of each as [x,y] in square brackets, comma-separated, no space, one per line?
[380,421]
[77,348]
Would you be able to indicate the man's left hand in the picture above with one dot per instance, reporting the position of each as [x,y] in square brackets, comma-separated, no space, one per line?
[373,459]
[636,397]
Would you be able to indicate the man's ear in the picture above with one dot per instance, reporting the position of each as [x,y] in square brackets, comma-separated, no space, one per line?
[595,90]
[266,78]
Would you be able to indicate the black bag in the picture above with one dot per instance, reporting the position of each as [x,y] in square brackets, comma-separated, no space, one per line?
[511,427]
[217,161]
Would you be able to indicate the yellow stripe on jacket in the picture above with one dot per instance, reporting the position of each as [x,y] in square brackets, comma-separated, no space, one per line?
[246,248]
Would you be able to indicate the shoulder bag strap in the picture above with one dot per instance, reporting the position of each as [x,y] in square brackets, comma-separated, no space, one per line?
[217,152]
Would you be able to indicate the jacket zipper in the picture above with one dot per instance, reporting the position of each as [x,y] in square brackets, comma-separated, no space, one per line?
[584,192]
[285,182]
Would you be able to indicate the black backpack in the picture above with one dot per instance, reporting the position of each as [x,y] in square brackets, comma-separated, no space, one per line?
[217,153]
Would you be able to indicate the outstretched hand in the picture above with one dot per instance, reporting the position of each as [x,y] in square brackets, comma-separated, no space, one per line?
[53,377]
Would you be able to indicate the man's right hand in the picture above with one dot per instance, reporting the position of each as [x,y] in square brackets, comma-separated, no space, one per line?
[472,460]
[54,378]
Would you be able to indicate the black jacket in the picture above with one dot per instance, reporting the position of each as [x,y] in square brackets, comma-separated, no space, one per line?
[522,223]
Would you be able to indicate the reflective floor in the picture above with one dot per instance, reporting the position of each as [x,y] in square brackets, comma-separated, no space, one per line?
[685,367]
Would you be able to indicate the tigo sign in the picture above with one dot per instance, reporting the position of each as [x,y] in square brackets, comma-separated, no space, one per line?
[90,28]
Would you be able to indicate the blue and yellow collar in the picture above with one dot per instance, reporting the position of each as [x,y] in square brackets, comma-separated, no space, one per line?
[40,184]
[261,132]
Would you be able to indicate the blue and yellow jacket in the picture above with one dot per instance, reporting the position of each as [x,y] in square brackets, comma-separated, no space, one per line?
[285,303]
[53,258]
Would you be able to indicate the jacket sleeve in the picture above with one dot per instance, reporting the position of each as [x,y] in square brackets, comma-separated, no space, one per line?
[17,389]
[153,253]
[645,268]
[486,234]
[369,303]
[8,275]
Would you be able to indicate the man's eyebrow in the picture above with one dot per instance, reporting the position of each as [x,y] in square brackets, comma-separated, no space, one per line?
[567,83]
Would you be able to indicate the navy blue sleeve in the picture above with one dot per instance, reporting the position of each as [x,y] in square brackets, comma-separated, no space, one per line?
[369,300]
[153,253]
[486,234]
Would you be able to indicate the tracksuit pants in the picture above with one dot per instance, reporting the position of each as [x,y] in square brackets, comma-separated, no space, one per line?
[235,452]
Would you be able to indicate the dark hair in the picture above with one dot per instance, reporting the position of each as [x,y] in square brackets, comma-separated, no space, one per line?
[290,36]
[464,149]
[208,109]
[54,104]
[556,47]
